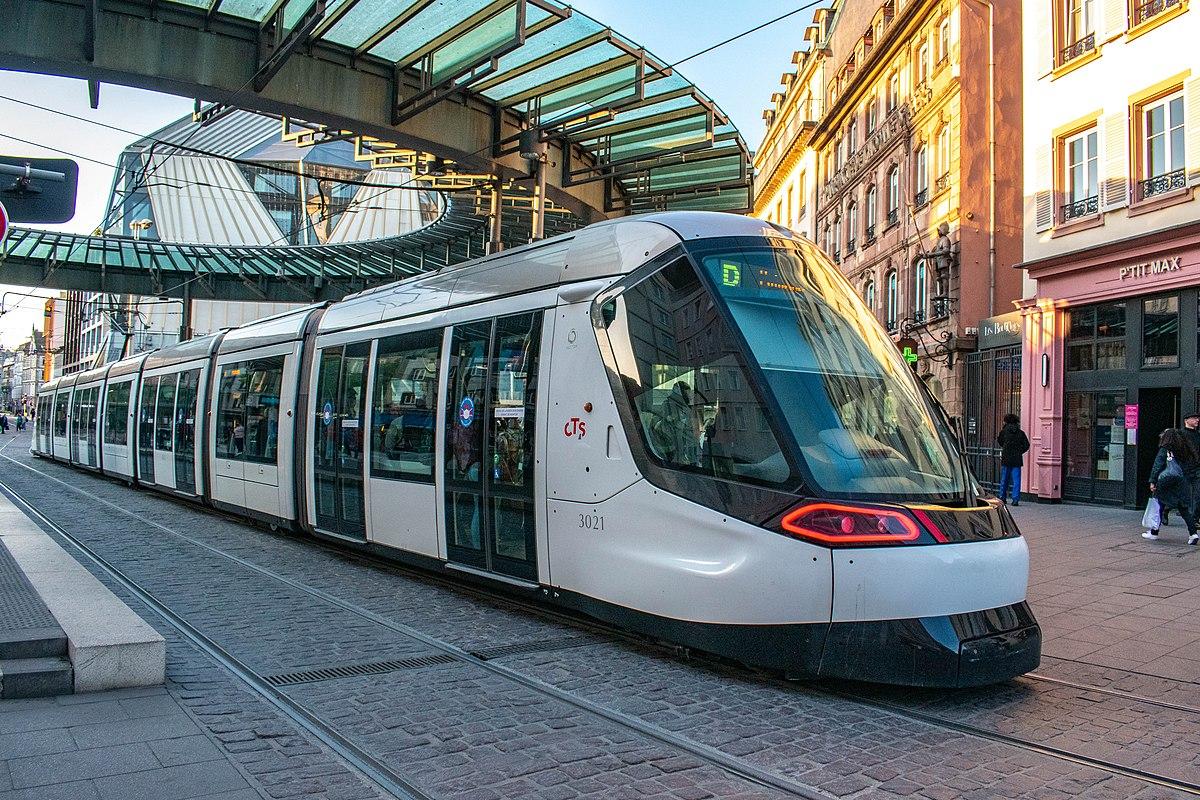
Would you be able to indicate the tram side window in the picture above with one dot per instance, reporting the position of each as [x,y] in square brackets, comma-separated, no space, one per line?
[164,431]
[60,414]
[116,415]
[697,408]
[248,410]
[262,409]
[405,405]
[231,418]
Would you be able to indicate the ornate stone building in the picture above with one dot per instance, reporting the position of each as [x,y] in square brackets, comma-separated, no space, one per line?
[912,197]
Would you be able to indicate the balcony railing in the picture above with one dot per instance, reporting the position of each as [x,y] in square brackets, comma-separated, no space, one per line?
[939,308]
[942,183]
[893,216]
[1151,9]
[1161,184]
[837,256]
[851,246]
[1077,48]
[870,233]
[1081,208]
[921,197]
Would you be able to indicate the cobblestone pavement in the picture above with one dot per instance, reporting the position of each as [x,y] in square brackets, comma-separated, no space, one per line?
[456,730]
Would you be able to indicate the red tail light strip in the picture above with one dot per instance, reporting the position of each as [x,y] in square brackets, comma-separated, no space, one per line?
[837,524]
[931,526]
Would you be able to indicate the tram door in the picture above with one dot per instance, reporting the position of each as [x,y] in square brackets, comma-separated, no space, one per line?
[146,429]
[185,431]
[338,439]
[491,400]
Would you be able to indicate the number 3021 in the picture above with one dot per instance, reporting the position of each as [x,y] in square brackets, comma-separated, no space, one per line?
[592,522]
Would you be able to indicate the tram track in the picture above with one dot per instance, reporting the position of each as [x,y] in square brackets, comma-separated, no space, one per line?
[376,770]
[382,775]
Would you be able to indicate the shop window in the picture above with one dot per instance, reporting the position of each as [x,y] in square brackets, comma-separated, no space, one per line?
[1160,332]
[1095,441]
[1096,338]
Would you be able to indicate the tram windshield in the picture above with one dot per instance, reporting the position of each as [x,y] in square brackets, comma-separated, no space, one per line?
[837,393]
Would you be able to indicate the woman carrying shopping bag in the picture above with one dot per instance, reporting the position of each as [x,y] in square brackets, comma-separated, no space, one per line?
[1170,480]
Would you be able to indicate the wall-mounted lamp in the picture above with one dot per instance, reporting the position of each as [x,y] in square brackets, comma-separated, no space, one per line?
[1045,369]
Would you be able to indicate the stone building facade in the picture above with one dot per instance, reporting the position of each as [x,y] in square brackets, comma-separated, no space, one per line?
[918,120]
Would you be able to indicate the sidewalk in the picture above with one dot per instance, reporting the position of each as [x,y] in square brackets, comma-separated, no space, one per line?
[1105,596]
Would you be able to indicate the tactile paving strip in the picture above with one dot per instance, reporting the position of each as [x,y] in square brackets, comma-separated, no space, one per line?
[21,608]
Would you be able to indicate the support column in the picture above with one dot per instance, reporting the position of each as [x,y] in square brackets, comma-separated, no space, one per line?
[496,217]
[185,316]
[539,200]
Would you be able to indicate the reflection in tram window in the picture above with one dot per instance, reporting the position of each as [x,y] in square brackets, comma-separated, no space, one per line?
[405,402]
[689,389]
[165,416]
[116,417]
[60,413]
[262,409]
[231,429]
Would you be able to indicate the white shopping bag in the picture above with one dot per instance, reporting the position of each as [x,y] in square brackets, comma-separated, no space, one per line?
[1152,519]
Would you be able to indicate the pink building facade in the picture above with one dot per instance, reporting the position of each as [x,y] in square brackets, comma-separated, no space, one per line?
[1111,357]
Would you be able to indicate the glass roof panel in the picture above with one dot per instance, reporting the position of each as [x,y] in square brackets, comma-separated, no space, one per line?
[365,19]
[193,3]
[247,9]
[576,99]
[553,39]
[477,43]
[568,65]
[712,171]
[428,24]
[294,10]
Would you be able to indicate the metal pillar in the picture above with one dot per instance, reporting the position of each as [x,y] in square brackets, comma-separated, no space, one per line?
[539,200]
[185,315]
[496,214]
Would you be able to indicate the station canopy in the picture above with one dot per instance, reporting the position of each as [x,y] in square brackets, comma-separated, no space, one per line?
[622,119]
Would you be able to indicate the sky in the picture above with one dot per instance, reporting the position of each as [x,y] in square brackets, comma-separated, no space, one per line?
[739,77]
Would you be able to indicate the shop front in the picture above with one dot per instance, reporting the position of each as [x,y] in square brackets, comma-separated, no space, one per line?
[992,390]
[1111,357]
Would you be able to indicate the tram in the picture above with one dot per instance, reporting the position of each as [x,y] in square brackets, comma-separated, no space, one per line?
[685,424]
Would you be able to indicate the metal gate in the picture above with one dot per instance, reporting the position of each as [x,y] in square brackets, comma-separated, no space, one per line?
[993,389]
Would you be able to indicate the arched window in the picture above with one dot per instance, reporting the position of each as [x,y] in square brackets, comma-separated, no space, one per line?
[851,138]
[944,39]
[892,310]
[943,156]
[851,226]
[893,92]
[921,193]
[872,113]
[920,291]
[893,196]
[869,294]
[872,210]
[837,237]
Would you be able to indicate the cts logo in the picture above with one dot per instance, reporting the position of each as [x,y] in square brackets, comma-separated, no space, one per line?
[575,427]
[466,412]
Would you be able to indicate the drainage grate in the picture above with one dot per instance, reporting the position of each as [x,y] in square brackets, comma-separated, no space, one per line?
[353,670]
[520,648]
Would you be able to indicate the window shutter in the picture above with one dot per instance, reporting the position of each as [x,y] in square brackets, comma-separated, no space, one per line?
[1043,212]
[1114,188]
[1116,17]
[1043,27]
[1191,124]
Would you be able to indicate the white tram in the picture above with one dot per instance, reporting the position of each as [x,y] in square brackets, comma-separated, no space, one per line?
[686,424]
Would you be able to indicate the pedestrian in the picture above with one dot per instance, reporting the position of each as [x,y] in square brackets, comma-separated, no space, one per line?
[1191,431]
[1170,482]
[20,420]
[1014,444]
[3,421]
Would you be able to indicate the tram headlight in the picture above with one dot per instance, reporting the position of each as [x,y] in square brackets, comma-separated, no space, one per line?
[838,524]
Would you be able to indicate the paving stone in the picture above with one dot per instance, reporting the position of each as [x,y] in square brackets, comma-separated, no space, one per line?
[95,762]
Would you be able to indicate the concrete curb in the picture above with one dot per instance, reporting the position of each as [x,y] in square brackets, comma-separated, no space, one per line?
[110,646]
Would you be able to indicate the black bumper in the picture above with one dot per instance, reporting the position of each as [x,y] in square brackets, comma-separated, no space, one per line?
[958,650]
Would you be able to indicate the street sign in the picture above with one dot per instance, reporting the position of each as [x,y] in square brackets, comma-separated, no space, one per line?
[38,189]
[3,223]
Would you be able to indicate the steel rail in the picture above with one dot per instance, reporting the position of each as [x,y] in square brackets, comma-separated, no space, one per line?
[712,755]
[371,768]
[729,764]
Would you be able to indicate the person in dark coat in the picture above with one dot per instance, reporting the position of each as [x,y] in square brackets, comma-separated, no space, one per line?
[1014,444]
[1191,431]
[1170,482]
